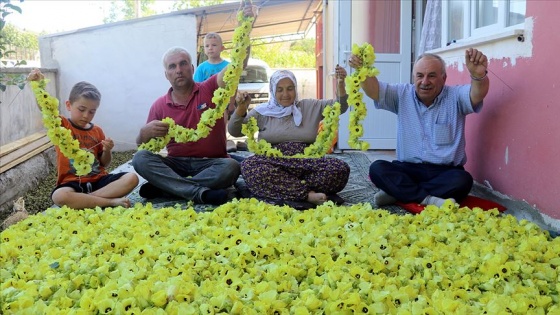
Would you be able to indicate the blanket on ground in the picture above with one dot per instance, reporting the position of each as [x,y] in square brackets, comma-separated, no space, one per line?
[358,190]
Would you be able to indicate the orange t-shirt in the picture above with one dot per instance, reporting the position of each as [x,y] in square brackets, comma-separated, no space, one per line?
[90,140]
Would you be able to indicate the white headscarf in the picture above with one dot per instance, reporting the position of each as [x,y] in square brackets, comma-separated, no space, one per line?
[273,108]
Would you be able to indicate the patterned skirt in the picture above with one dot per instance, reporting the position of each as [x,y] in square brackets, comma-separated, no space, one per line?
[293,178]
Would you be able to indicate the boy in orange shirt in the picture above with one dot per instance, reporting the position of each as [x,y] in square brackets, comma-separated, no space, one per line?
[98,188]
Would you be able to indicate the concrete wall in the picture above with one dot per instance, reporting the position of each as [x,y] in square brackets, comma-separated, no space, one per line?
[124,61]
[19,114]
[16,181]
[513,145]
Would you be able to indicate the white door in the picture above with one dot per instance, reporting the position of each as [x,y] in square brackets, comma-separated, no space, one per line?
[387,25]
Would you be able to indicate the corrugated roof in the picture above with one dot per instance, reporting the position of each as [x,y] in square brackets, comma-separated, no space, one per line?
[277,20]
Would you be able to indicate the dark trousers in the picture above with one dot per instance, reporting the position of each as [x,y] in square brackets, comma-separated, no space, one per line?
[412,182]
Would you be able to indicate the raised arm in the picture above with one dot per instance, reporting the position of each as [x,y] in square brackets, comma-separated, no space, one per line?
[249,10]
[370,84]
[242,99]
[477,64]
[340,74]
[36,75]
[341,95]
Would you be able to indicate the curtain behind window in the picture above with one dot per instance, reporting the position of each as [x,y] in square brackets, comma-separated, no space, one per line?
[431,28]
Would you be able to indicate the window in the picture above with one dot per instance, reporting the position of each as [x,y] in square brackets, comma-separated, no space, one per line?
[478,18]
[254,74]
[515,12]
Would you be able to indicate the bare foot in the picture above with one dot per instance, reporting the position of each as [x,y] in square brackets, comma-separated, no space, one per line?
[316,198]
[124,202]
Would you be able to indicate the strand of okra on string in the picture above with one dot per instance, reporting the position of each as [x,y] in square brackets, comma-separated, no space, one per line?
[119,141]
[114,140]
[221,96]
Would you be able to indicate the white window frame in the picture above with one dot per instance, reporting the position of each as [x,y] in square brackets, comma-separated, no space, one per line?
[472,34]
[499,26]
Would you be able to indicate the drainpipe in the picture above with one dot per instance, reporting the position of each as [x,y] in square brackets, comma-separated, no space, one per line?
[324,82]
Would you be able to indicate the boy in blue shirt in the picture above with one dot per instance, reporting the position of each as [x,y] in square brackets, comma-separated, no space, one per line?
[213,48]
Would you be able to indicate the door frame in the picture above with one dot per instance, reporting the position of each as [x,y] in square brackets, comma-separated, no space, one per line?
[380,126]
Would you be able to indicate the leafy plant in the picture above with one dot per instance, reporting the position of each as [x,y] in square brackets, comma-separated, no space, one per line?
[6,8]
[283,55]
[189,4]
[122,10]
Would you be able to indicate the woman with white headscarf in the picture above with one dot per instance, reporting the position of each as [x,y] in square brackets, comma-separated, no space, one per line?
[290,125]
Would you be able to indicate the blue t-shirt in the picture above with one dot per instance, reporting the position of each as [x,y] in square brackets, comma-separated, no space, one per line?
[206,70]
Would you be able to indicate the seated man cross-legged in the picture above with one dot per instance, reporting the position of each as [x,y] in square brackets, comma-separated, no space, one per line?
[431,131]
[200,171]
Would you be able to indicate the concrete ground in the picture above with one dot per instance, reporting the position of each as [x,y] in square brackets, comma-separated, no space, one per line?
[519,209]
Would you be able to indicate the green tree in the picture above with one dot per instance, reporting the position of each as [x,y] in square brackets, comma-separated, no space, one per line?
[129,9]
[121,10]
[306,45]
[6,8]
[189,4]
[20,39]
[296,54]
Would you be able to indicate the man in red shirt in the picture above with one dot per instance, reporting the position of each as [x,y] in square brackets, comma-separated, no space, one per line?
[198,171]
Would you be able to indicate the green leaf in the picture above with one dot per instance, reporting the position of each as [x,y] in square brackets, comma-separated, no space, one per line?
[13,7]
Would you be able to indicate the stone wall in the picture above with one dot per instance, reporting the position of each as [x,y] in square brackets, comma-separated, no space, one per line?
[17,181]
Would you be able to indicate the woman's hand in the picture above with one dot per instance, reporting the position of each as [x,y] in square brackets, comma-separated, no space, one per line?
[340,74]
[242,102]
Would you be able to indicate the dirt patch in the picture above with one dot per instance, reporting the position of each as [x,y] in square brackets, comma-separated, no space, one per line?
[38,198]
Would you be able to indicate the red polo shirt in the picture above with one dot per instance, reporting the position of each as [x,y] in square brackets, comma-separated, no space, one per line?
[213,146]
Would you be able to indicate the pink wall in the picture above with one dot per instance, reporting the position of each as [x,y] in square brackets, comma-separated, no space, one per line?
[514,143]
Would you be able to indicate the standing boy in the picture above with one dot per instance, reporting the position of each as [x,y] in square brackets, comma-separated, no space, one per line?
[213,48]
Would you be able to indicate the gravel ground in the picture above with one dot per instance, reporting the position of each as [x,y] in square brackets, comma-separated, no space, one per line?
[39,199]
